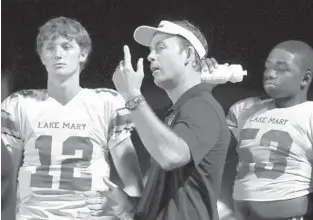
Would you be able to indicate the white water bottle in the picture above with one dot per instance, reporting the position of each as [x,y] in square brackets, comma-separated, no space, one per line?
[224,73]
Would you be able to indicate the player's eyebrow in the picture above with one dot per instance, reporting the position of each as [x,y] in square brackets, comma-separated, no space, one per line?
[280,63]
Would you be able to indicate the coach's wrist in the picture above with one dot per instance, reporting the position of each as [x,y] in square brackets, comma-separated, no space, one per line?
[133,102]
[131,94]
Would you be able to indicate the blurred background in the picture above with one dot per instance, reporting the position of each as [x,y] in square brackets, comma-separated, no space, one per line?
[238,32]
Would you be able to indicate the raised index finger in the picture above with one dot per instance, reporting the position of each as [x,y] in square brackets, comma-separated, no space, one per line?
[127,57]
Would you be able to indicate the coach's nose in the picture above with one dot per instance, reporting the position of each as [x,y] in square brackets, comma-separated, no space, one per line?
[152,56]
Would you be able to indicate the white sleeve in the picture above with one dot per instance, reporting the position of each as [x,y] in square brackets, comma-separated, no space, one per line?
[311,129]
[117,117]
[10,132]
[120,124]
[232,120]
[240,112]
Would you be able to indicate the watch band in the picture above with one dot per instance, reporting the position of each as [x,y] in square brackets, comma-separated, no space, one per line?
[132,103]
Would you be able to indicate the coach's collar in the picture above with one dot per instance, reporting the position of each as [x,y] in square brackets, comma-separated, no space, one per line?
[192,92]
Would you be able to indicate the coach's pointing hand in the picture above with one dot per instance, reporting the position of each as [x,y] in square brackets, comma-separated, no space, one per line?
[126,80]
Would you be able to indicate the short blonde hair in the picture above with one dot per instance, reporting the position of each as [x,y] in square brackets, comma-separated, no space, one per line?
[67,28]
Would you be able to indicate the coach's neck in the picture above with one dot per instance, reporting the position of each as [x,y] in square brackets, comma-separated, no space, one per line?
[189,80]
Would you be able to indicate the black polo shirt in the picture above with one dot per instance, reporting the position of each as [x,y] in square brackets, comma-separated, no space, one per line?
[190,192]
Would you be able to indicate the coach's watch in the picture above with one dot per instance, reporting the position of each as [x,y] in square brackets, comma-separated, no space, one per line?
[132,103]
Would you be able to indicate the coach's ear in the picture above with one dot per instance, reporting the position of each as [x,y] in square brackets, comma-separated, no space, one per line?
[190,56]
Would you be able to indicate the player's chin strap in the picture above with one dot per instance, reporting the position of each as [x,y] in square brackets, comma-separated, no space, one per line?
[224,73]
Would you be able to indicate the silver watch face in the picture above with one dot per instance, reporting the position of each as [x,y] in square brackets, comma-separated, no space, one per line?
[132,103]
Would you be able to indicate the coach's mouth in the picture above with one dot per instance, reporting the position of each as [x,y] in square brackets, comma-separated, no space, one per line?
[154,70]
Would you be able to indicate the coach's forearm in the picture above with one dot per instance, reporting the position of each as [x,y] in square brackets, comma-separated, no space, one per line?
[169,150]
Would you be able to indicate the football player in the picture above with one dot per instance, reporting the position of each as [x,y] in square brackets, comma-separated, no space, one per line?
[275,139]
[61,138]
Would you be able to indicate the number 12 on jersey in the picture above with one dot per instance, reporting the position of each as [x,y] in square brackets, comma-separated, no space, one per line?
[67,181]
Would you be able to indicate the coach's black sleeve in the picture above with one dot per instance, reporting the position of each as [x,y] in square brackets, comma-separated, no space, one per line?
[199,126]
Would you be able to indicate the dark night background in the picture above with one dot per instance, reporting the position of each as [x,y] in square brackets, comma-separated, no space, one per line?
[241,31]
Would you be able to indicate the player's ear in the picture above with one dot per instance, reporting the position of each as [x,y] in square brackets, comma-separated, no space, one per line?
[40,55]
[42,59]
[307,78]
[83,56]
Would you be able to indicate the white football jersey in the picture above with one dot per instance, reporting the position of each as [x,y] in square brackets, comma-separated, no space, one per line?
[65,148]
[275,148]
[224,212]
